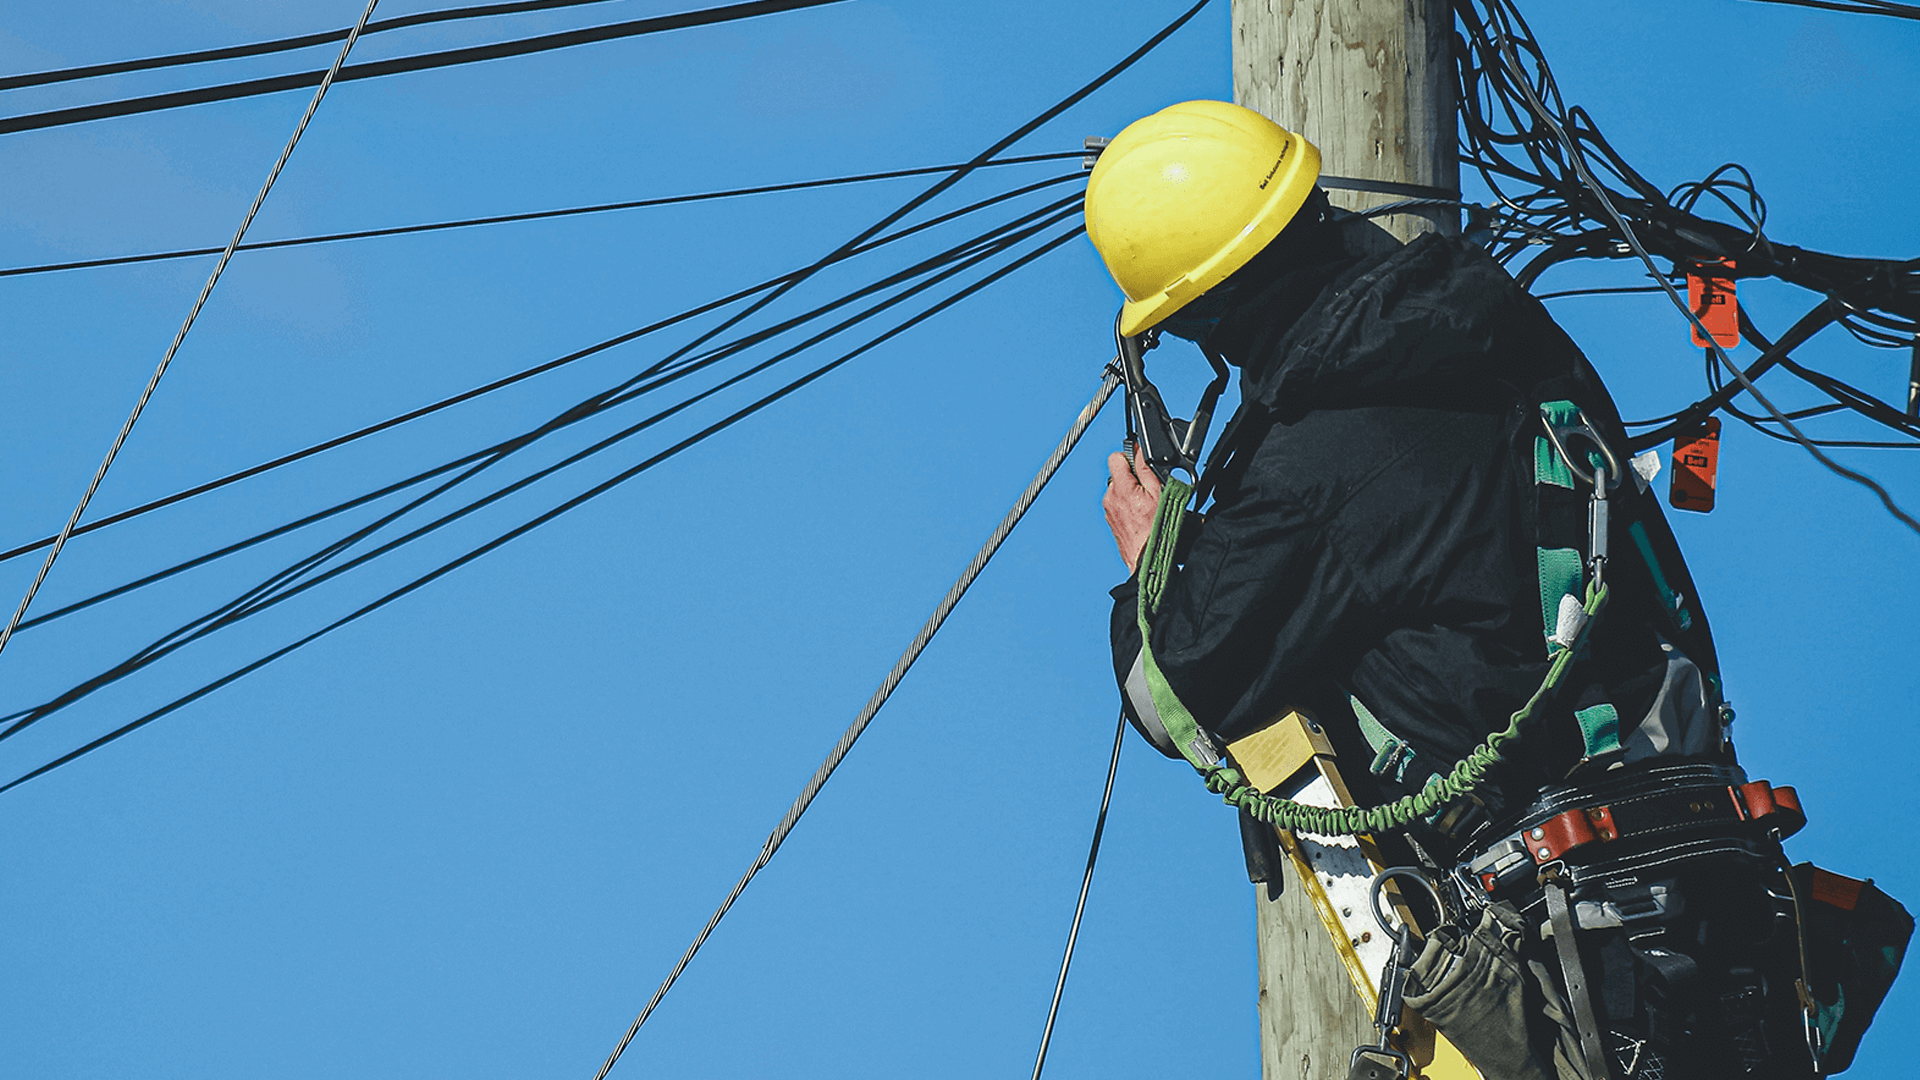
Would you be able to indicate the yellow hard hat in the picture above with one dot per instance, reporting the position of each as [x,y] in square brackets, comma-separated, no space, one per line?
[1183,198]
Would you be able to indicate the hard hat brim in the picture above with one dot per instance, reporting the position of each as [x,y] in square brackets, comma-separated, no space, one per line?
[1291,189]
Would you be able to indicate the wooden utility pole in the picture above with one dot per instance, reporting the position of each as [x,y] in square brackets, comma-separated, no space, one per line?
[1371,83]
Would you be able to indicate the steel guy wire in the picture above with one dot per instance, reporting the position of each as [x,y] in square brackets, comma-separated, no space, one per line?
[510,380]
[193,313]
[422,62]
[1086,884]
[547,516]
[912,204]
[872,707]
[1577,160]
[532,215]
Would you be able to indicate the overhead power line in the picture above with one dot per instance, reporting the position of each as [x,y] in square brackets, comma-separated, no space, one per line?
[480,391]
[53,552]
[1858,7]
[530,215]
[528,526]
[262,48]
[377,68]
[287,583]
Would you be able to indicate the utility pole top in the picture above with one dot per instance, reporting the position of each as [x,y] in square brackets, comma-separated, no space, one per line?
[1371,84]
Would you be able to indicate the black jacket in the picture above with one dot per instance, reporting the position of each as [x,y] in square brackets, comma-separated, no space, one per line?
[1374,521]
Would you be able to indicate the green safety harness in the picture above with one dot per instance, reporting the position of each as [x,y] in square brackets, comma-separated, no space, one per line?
[1568,622]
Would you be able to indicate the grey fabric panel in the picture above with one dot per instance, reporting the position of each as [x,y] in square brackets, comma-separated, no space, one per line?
[1142,701]
[1681,721]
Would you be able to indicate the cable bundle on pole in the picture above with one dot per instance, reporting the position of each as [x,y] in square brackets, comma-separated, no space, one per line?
[1564,192]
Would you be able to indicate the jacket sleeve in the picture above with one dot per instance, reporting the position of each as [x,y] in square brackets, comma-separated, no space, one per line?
[1262,600]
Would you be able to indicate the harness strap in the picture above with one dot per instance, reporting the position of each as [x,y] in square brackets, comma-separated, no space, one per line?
[1392,755]
[1676,604]
[1579,997]
[1600,727]
[1156,571]
[1562,569]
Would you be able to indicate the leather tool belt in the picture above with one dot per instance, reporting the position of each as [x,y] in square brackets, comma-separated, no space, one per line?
[1623,823]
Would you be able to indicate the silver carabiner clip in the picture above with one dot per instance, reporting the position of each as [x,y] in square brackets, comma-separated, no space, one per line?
[1563,433]
[1602,477]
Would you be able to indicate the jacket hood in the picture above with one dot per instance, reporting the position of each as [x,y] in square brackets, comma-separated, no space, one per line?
[1347,328]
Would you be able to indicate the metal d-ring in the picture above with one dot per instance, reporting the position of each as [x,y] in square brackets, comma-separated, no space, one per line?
[1560,434]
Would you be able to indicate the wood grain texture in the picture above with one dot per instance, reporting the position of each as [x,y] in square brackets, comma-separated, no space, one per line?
[1310,1017]
[1369,82]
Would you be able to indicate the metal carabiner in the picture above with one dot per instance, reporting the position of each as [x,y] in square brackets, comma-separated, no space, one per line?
[1601,477]
[1382,1060]
[1562,433]
[1163,440]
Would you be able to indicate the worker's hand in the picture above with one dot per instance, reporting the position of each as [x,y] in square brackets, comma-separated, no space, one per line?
[1133,494]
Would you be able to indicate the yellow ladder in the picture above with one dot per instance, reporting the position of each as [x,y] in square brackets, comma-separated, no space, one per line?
[1293,757]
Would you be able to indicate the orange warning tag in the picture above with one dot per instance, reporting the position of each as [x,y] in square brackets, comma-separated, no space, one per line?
[1712,299]
[1696,463]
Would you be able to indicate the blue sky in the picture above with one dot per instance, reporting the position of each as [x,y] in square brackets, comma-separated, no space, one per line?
[468,834]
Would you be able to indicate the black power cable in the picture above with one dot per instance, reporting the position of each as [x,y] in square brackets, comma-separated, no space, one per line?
[377,68]
[508,380]
[1537,89]
[530,215]
[1855,7]
[528,526]
[979,160]
[1086,886]
[285,584]
[262,48]
[282,585]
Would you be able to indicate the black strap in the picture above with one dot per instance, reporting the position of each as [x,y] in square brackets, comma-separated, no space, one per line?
[1579,998]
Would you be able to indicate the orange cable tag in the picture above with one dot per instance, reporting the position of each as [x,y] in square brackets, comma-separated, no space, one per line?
[1712,298]
[1696,465]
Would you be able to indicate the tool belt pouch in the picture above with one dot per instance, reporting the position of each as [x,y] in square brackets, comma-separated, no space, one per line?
[1472,987]
[1856,938]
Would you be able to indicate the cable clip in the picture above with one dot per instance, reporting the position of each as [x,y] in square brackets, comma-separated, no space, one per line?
[1601,470]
